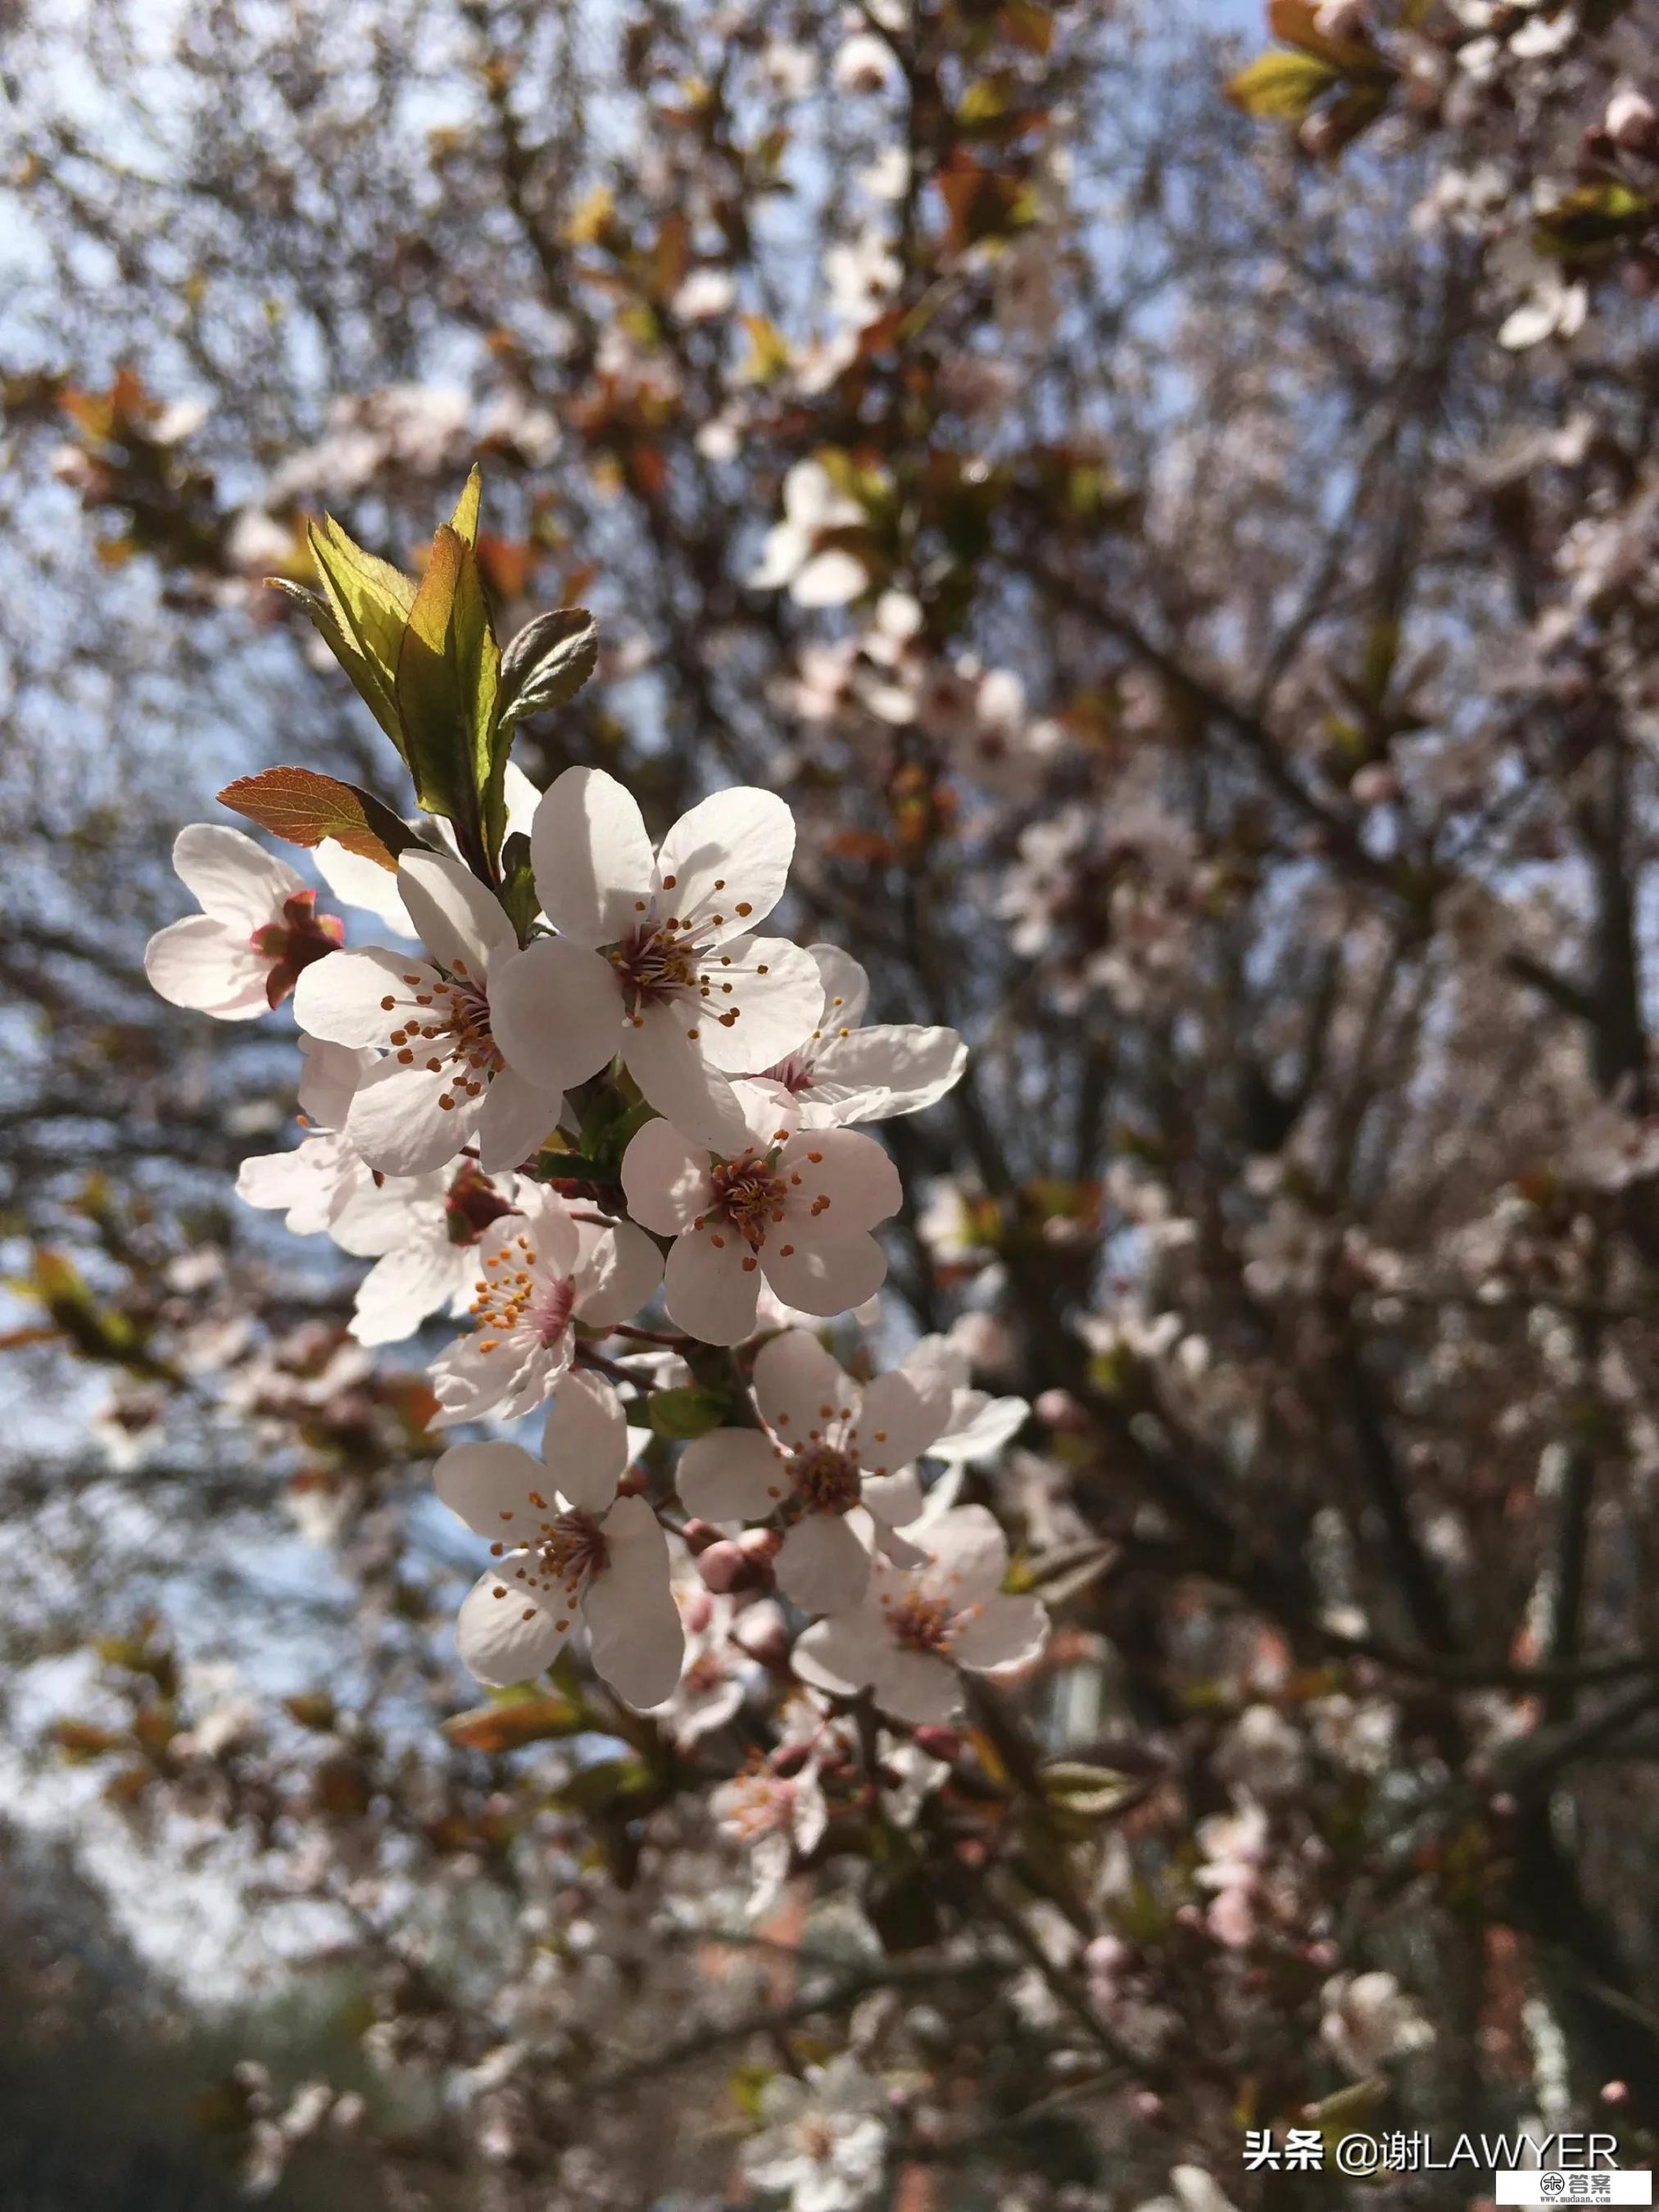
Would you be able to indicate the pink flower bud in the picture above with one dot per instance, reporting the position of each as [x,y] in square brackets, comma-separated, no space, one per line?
[789,1761]
[698,1535]
[1061,1410]
[725,1567]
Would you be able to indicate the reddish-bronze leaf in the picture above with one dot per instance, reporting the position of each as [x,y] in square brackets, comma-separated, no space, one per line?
[304,807]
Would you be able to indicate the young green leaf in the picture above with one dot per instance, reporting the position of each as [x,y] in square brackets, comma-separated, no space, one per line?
[548,662]
[1283,84]
[447,671]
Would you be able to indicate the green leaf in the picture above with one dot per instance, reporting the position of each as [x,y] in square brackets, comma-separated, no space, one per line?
[519,883]
[464,520]
[299,805]
[360,611]
[448,666]
[679,1415]
[1281,84]
[548,662]
[1089,1793]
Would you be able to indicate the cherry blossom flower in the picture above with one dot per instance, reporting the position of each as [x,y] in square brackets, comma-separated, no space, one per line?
[1369,2020]
[566,1545]
[679,989]
[774,1816]
[548,1271]
[916,1626]
[843,1074]
[979,1424]
[721,1665]
[258,931]
[793,1205]
[443,1080]
[792,556]
[323,1184]
[824,2139]
[828,1447]
[427,1256]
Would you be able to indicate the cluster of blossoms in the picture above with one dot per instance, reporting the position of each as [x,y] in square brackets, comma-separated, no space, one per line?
[450,1097]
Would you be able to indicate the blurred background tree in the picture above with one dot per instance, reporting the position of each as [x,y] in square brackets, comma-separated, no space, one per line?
[1188,563]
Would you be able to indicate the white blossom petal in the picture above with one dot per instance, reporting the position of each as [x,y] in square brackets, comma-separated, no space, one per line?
[676,1079]
[899,1420]
[798,1386]
[365,885]
[824,1277]
[742,839]
[401,1289]
[878,1072]
[396,1122]
[555,1012]
[460,924]
[1007,1632]
[634,1626]
[514,1118]
[231,877]
[342,998]
[709,1292]
[506,1639]
[664,1178]
[592,856]
[585,1441]
[618,1274]
[488,1486]
[822,1566]
[779,996]
[730,1474]
[199,963]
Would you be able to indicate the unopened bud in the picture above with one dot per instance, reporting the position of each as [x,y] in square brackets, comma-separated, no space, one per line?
[1630,122]
[1061,1410]
[725,1567]
[789,1761]
[698,1535]
[938,1742]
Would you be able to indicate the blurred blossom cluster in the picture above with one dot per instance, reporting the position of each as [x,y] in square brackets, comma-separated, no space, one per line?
[834,1345]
